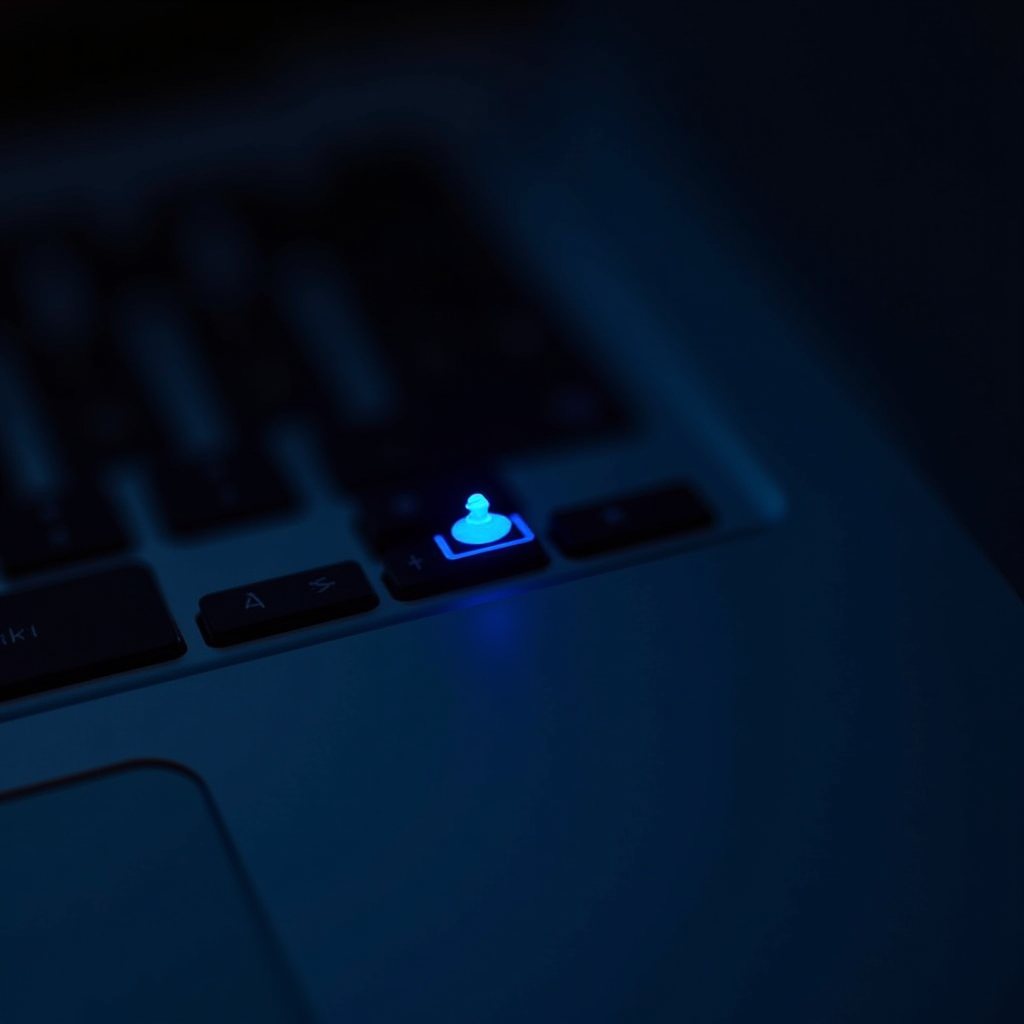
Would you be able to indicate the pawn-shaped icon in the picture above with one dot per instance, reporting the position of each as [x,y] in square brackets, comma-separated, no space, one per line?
[481,526]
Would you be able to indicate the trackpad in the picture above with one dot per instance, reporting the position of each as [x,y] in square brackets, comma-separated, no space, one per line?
[121,900]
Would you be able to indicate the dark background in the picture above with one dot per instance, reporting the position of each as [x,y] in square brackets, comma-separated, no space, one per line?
[870,151]
[875,151]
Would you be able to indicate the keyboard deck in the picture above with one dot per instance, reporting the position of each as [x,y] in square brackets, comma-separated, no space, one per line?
[371,316]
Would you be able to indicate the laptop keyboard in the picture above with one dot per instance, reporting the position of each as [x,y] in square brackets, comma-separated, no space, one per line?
[372,311]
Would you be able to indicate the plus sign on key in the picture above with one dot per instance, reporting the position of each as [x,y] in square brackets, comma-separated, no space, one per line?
[420,570]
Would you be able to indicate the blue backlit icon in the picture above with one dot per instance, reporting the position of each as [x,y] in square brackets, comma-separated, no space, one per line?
[481,526]
[483,531]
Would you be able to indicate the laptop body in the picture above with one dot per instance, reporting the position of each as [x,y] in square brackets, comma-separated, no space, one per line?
[761,764]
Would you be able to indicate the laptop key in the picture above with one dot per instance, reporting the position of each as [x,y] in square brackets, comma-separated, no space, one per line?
[403,513]
[278,605]
[425,568]
[221,490]
[68,527]
[630,519]
[83,628]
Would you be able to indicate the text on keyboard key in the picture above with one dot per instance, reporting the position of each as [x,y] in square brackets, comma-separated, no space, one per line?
[414,571]
[83,628]
[283,603]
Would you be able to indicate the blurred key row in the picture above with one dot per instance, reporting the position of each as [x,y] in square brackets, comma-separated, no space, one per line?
[375,306]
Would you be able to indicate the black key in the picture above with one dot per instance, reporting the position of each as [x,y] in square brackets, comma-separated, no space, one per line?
[416,508]
[631,519]
[417,570]
[64,528]
[219,491]
[286,602]
[83,628]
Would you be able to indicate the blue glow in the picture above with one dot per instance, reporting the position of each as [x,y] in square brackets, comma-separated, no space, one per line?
[514,518]
[481,526]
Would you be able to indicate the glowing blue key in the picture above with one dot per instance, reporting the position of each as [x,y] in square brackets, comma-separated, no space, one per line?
[481,526]
[526,536]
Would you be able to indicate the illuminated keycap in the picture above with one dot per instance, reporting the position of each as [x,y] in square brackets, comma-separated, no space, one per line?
[481,526]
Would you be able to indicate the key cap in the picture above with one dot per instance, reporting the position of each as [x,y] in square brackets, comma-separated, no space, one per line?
[83,628]
[68,527]
[284,603]
[416,508]
[220,490]
[630,519]
[414,571]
